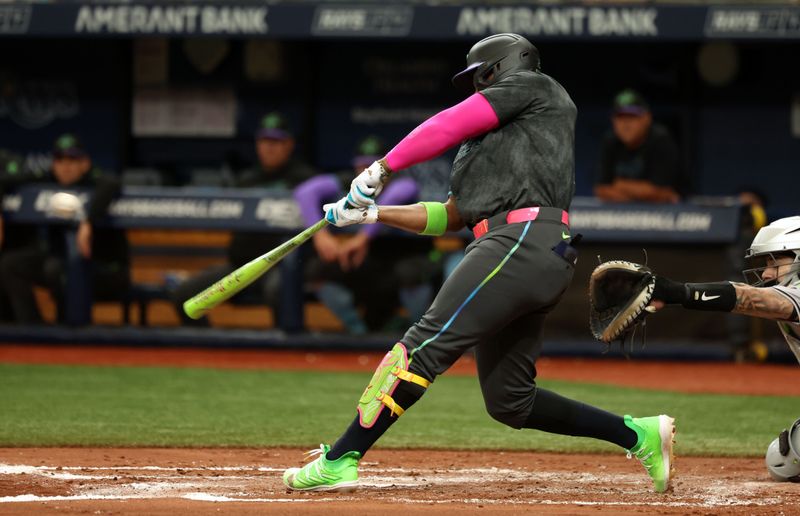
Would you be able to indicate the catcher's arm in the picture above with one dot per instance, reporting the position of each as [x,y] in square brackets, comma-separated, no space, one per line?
[768,303]
[622,293]
[739,298]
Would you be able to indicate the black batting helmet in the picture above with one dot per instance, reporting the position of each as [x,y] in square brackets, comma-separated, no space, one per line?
[491,59]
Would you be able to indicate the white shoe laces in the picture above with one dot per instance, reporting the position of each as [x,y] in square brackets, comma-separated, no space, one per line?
[311,471]
[641,457]
[315,452]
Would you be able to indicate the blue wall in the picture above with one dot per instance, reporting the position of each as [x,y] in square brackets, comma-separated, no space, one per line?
[51,87]
[732,137]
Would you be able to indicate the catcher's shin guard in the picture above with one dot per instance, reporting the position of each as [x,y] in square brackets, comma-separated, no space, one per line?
[392,370]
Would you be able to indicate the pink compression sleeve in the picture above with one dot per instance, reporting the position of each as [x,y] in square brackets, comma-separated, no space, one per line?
[442,131]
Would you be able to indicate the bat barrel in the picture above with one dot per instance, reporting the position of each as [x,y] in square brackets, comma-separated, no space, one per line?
[197,306]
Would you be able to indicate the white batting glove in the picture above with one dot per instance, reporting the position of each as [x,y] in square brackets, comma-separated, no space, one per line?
[342,213]
[368,184]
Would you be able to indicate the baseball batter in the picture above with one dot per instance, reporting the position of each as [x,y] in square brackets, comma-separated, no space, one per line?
[512,183]
[772,292]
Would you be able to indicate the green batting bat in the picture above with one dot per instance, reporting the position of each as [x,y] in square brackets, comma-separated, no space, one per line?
[234,282]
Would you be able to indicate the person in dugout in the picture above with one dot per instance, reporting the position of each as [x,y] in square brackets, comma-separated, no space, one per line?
[640,161]
[346,272]
[39,259]
[279,169]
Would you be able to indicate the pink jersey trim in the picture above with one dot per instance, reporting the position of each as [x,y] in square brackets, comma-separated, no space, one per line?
[472,117]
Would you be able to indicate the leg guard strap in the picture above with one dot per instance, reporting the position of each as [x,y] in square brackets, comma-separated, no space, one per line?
[396,410]
[410,377]
[378,394]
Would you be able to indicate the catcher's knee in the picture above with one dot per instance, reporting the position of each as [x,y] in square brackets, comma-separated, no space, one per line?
[391,380]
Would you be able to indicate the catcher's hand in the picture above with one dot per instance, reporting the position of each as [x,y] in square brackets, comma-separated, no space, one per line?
[619,295]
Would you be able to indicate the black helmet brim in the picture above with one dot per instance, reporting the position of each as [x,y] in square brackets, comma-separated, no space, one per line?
[463,79]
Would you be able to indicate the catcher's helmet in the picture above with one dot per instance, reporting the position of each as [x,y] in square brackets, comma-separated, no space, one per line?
[783,455]
[782,237]
[493,58]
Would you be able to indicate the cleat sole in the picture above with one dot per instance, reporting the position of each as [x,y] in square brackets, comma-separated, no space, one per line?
[666,429]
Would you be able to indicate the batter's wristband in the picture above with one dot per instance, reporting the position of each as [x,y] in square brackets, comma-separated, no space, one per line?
[437,219]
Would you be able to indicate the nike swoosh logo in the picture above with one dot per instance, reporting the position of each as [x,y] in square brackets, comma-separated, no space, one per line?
[704,297]
[564,235]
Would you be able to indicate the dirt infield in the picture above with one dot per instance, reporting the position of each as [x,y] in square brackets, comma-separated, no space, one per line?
[201,481]
[247,481]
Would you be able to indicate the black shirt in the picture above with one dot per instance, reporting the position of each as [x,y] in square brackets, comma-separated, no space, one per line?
[248,245]
[656,160]
[528,160]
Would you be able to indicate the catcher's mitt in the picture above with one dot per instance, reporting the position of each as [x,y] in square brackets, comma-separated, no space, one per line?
[619,293]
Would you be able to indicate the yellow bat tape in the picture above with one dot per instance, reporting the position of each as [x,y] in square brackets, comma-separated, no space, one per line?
[234,282]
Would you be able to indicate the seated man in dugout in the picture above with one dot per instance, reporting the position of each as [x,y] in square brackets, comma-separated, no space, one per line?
[278,168]
[640,161]
[40,260]
[346,273]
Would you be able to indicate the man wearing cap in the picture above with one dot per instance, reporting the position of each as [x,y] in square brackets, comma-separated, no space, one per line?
[352,270]
[278,168]
[640,161]
[42,260]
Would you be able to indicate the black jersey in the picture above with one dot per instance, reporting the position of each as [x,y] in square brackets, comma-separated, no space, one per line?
[657,160]
[528,160]
[246,245]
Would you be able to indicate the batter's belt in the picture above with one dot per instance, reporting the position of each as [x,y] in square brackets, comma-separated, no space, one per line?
[521,215]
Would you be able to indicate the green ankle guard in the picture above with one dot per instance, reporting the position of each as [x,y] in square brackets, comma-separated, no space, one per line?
[378,394]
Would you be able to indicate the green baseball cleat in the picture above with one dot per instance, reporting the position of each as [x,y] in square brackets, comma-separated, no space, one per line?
[322,474]
[654,447]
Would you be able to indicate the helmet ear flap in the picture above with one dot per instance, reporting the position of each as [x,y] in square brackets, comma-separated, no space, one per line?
[783,443]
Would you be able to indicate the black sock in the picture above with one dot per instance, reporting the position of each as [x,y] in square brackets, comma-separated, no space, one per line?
[559,415]
[360,439]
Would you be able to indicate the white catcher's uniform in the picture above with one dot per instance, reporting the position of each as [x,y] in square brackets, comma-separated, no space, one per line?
[791,330]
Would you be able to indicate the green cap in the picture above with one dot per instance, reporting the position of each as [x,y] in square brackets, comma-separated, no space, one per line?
[68,146]
[274,126]
[10,163]
[369,149]
[630,102]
